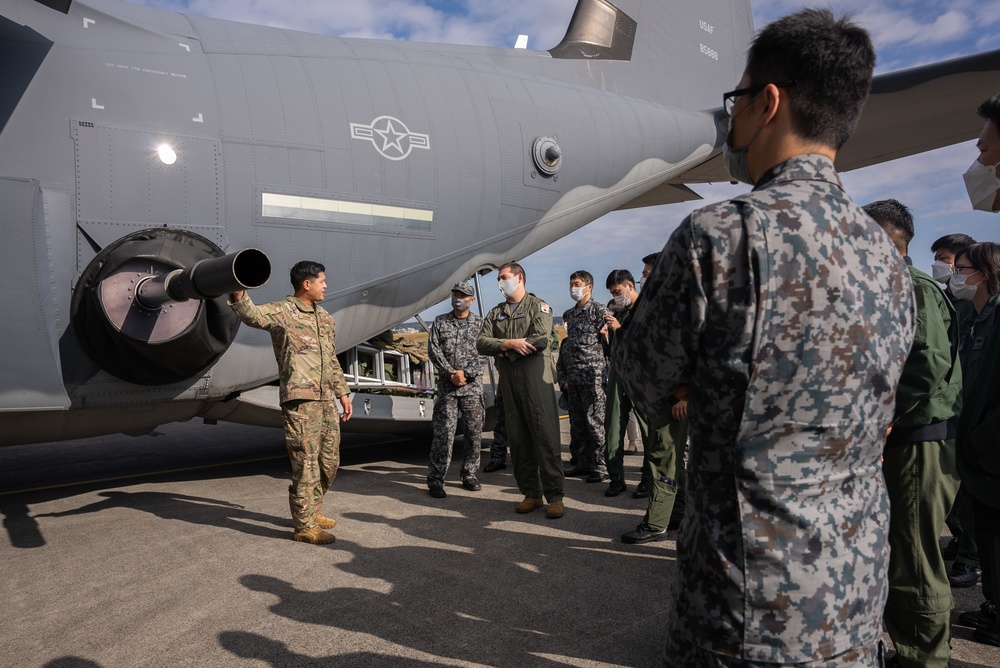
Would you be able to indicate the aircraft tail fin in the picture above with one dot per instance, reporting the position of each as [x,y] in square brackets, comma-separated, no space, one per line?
[681,53]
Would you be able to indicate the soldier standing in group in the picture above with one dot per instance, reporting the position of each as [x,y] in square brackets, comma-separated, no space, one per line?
[919,465]
[792,315]
[581,372]
[452,348]
[518,332]
[311,381]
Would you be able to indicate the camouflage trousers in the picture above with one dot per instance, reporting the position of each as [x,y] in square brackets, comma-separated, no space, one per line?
[445,419]
[312,435]
[586,424]
[498,449]
[699,657]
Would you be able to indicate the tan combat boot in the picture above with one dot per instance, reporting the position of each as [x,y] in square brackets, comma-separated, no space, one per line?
[315,535]
[324,522]
[555,510]
[528,505]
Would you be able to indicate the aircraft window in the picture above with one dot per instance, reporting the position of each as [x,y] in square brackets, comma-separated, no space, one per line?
[285,208]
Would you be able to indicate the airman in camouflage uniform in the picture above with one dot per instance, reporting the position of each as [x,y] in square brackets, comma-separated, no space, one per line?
[518,332]
[311,382]
[792,314]
[581,372]
[452,348]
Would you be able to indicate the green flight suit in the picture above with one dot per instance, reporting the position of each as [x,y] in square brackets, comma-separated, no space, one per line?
[921,478]
[978,444]
[665,466]
[528,396]
[617,407]
[663,444]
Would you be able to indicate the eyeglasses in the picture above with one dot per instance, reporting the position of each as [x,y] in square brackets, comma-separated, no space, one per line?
[729,99]
[959,267]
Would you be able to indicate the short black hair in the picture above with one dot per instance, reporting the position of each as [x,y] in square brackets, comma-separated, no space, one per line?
[895,218]
[829,62]
[651,259]
[619,277]
[584,276]
[306,270]
[990,110]
[956,243]
[985,257]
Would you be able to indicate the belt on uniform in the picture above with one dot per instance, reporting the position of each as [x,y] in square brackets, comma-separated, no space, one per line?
[938,431]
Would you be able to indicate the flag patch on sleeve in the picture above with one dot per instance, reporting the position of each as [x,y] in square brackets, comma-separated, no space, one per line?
[545,308]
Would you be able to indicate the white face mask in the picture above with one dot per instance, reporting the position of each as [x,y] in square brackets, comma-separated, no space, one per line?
[982,184]
[576,294]
[941,271]
[961,289]
[621,301]
[508,286]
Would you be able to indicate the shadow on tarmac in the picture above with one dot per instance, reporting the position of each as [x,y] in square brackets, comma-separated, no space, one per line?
[192,509]
[24,532]
[487,586]
[71,662]
[256,647]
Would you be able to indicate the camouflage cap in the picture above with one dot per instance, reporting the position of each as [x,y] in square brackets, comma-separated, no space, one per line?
[465,288]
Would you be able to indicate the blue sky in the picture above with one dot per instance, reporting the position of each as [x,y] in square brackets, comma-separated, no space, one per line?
[907,33]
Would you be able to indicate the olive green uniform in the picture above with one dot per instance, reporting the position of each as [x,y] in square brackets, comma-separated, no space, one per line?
[978,443]
[663,444]
[920,476]
[528,396]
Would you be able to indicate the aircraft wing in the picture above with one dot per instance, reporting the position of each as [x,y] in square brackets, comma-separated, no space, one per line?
[923,108]
[908,112]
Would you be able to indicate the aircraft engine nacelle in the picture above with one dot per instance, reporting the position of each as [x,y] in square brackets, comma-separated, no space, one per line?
[151,307]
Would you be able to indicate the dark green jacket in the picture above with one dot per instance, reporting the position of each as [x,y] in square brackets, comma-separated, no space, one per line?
[979,425]
[530,319]
[930,389]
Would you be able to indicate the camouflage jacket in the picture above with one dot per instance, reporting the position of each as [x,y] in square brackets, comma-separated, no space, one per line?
[581,356]
[793,314]
[452,347]
[303,341]
[530,319]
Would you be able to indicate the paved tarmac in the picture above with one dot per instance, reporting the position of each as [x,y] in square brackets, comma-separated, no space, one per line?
[175,551]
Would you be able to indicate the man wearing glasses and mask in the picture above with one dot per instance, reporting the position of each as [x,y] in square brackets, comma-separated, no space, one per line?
[791,313]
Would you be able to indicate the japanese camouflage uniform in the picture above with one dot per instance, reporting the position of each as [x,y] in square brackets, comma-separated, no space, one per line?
[528,396]
[452,347]
[311,382]
[920,475]
[792,314]
[978,441]
[582,368]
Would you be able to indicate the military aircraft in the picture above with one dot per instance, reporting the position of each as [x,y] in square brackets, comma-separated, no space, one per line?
[150,162]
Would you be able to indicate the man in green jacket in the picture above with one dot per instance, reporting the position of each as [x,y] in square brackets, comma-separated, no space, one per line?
[919,465]
[518,333]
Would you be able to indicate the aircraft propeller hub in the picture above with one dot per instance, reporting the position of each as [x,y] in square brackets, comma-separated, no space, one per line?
[547,155]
